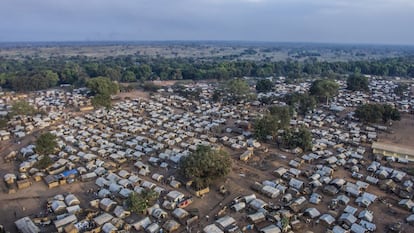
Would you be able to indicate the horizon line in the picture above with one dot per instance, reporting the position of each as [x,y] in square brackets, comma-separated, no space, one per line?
[207,41]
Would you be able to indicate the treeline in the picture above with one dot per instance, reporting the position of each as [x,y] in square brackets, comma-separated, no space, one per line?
[39,73]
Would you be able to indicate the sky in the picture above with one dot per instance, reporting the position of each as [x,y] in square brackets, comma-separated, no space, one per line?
[332,21]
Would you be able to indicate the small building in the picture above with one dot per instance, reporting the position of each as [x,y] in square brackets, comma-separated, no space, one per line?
[397,151]
[26,225]
[225,222]
[270,229]
[171,225]
[326,219]
[212,228]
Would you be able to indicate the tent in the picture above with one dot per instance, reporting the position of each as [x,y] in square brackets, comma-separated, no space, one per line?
[26,225]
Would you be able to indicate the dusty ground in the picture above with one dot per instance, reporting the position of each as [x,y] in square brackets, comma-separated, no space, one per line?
[134,94]
[32,201]
[402,132]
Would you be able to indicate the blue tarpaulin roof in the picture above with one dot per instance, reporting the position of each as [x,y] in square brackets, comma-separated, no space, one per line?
[69,172]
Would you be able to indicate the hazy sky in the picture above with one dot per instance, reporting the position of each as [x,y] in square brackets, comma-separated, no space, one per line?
[338,21]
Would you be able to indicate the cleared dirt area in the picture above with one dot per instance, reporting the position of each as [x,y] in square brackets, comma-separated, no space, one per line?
[32,201]
[402,132]
[133,94]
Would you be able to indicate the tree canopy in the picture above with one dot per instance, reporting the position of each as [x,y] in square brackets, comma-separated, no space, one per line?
[102,85]
[268,125]
[357,82]
[36,73]
[102,88]
[139,202]
[22,107]
[400,89]
[374,113]
[204,166]
[46,144]
[324,89]
[298,137]
[44,162]
[238,89]
[302,103]
[264,85]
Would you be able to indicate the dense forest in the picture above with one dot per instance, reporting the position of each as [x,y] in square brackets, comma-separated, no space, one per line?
[38,73]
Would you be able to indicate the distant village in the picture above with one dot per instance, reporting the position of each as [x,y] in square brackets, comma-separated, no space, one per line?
[349,181]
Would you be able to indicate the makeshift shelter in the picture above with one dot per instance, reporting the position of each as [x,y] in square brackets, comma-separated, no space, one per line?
[356,228]
[212,229]
[102,219]
[153,228]
[107,204]
[71,200]
[347,218]
[238,206]
[26,225]
[366,215]
[109,228]
[270,229]
[180,213]
[410,219]
[406,203]
[225,222]
[65,221]
[327,219]
[58,206]
[120,212]
[142,224]
[256,217]
[171,225]
[175,196]
[338,229]
[312,212]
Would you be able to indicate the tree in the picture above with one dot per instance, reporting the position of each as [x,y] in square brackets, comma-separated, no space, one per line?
[390,113]
[102,88]
[264,85]
[139,202]
[324,89]
[51,77]
[302,103]
[373,113]
[22,108]
[285,224]
[102,85]
[150,86]
[357,82]
[71,73]
[369,113]
[128,76]
[400,89]
[238,89]
[101,100]
[268,125]
[204,166]
[282,113]
[144,72]
[293,138]
[46,144]
[44,162]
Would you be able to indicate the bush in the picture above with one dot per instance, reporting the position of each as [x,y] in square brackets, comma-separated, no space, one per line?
[139,202]
[44,162]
